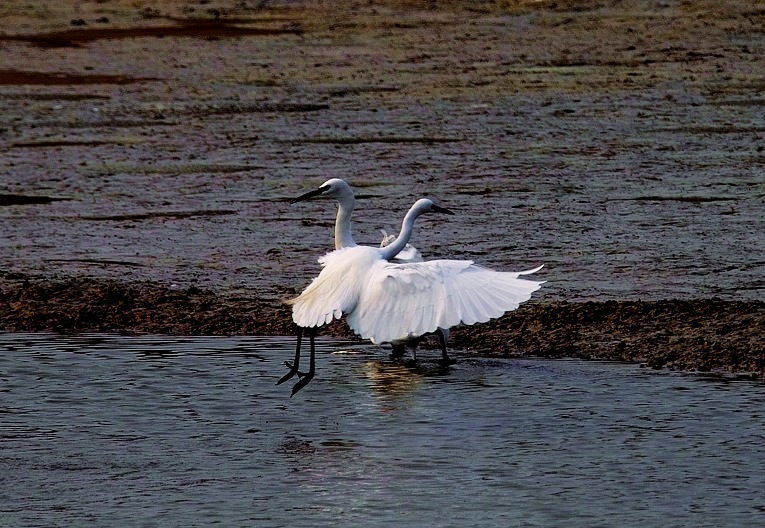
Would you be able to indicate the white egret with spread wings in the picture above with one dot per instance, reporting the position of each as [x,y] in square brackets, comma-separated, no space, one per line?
[396,302]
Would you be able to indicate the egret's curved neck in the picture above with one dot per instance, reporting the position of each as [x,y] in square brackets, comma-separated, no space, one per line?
[343,236]
[393,249]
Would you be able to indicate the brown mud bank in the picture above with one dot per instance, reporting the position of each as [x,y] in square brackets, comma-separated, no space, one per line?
[702,335]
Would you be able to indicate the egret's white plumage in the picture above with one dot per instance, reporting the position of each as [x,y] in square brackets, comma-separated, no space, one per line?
[397,302]
[408,254]
[337,288]
[404,301]
[390,302]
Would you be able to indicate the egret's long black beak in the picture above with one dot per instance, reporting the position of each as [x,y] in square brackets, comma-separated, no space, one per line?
[444,210]
[310,194]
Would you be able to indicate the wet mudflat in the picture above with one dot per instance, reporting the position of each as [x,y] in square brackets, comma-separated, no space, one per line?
[153,150]
[704,335]
[137,431]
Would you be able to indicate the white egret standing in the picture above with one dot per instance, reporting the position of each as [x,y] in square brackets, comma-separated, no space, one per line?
[334,292]
[395,303]
[346,200]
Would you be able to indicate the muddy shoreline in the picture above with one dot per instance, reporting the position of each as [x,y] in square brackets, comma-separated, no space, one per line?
[705,335]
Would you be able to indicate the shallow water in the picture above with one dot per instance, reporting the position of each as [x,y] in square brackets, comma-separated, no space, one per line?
[158,431]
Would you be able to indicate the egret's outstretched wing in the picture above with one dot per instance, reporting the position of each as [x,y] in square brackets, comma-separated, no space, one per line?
[336,289]
[479,294]
[400,301]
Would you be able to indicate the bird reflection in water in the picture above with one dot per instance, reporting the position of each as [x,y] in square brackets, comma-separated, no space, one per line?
[395,381]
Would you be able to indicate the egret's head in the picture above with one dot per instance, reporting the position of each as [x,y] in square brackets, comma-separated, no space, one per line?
[423,205]
[335,188]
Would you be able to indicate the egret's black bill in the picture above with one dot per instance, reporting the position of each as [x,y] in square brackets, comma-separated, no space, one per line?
[309,195]
[444,210]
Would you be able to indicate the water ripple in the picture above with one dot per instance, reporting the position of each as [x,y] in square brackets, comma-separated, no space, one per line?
[136,431]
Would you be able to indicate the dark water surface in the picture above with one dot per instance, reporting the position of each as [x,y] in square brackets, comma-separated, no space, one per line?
[156,431]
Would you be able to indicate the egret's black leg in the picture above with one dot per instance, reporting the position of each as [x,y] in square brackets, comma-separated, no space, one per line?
[295,364]
[306,378]
[445,359]
[414,344]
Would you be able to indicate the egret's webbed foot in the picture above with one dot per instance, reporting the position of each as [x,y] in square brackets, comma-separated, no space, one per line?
[297,372]
[293,372]
[305,379]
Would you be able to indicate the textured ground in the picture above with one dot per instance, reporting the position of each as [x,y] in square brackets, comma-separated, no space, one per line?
[147,154]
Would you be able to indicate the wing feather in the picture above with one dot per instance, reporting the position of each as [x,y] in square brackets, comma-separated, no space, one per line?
[401,301]
[336,289]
